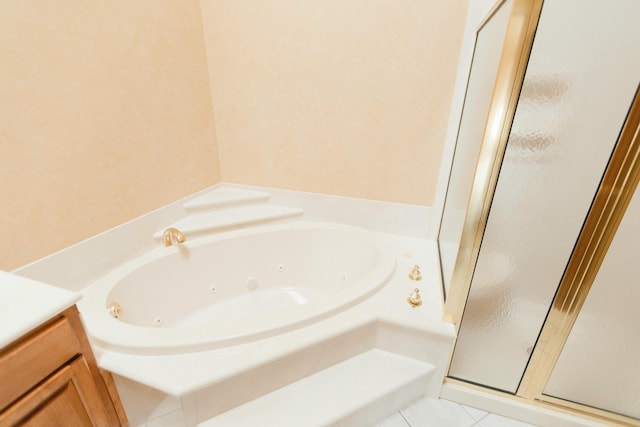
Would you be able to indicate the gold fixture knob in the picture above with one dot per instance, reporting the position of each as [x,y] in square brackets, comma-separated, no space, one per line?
[415,273]
[115,310]
[171,234]
[415,300]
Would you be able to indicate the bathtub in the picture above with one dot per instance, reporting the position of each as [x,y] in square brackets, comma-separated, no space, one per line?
[235,287]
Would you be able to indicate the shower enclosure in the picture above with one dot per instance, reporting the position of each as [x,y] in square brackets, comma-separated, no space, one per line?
[539,229]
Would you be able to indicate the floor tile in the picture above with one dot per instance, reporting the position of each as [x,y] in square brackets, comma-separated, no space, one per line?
[394,420]
[493,420]
[477,414]
[437,413]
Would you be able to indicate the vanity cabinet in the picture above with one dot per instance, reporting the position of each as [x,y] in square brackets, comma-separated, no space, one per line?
[50,377]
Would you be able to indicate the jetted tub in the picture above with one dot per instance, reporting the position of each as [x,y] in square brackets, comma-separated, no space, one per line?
[233,287]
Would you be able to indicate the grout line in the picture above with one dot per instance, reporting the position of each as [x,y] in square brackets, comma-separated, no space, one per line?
[471,415]
[405,420]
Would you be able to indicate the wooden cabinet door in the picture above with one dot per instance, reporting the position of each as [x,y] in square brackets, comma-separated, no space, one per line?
[68,398]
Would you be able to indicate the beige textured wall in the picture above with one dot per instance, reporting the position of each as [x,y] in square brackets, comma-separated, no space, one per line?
[332,96]
[105,114]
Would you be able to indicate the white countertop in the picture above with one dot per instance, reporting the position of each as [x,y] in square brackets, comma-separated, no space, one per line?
[26,304]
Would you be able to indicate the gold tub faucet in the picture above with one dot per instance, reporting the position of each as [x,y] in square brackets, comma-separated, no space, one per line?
[415,300]
[415,273]
[171,234]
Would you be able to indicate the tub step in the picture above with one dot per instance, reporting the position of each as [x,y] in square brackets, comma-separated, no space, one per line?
[357,392]
[225,197]
[210,221]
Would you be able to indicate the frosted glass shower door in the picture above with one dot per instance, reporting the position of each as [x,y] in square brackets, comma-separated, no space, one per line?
[581,78]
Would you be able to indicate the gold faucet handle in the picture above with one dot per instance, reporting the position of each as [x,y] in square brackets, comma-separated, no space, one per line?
[172,233]
[415,273]
[114,310]
[415,300]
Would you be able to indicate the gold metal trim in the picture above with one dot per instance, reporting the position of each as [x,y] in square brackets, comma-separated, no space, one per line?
[523,21]
[610,203]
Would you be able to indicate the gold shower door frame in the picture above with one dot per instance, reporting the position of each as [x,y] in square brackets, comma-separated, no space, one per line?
[521,28]
[620,180]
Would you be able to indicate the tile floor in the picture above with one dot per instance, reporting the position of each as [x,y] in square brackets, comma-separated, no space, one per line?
[444,413]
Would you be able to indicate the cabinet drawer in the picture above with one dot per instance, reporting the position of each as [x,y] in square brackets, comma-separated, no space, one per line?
[31,359]
[67,398]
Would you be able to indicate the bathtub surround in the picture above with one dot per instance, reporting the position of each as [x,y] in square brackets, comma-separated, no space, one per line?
[205,384]
[167,389]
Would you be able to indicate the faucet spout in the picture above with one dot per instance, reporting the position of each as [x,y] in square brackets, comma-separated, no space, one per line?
[172,234]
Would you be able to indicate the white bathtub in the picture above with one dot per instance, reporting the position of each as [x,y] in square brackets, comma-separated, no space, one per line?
[235,287]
